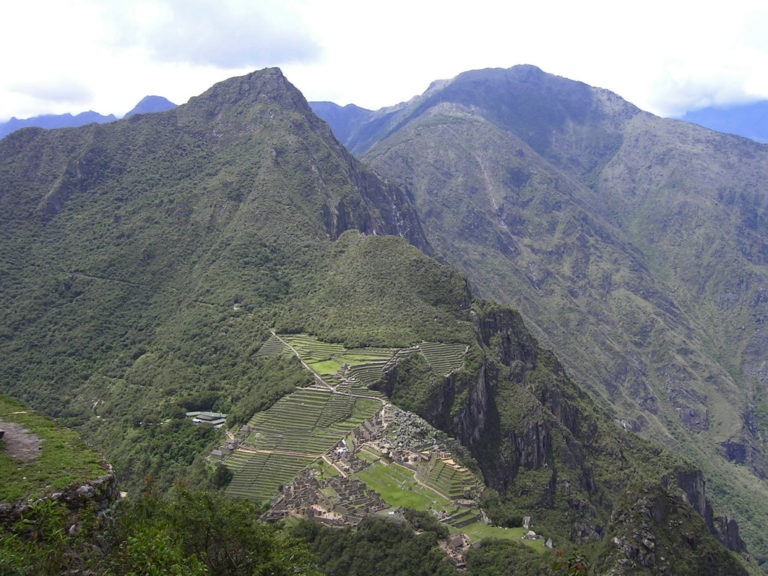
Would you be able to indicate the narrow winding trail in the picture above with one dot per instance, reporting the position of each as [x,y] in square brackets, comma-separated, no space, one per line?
[317,376]
[319,379]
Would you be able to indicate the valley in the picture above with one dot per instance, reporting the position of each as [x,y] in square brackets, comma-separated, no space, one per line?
[631,244]
[229,256]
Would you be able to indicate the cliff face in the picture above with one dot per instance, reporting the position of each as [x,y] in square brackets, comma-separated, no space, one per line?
[633,245]
[548,450]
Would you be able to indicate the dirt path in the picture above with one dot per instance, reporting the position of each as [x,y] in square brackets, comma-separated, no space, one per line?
[317,376]
[18,443]
[335,466]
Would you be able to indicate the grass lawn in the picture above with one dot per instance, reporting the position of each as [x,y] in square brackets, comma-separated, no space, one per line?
[325,367]
[398,489]
[479,531]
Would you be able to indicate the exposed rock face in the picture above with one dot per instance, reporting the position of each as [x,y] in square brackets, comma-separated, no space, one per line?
[472,420]
[100,493]
[657,534]
[724,528]
[693,486]
[541,441]
[727,531]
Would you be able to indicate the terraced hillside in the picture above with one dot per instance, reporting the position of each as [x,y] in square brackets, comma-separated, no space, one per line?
[305,425]
[358,455]
[293,433]
[395,461]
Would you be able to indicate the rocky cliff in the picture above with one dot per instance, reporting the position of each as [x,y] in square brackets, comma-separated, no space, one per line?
[98,495]
[549,451]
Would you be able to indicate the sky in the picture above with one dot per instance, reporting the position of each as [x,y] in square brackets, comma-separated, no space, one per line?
[666,57]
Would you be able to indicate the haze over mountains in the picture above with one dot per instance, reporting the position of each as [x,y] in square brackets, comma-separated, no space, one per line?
[147,105]
[748,120]
[634,246]
[146,261]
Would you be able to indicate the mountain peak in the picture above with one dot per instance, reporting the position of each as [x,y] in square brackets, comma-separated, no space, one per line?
[151,104]
[523,98]
[261,86]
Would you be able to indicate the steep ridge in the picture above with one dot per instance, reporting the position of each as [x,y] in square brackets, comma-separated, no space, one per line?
[631,245]
[147,260]
[141,258]
[548,451]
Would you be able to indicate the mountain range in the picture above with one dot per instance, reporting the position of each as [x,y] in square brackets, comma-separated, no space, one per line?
[632,245]
[148,262]
[748,120]
[148,104]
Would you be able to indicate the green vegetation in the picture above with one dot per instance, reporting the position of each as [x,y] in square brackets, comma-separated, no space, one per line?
[57,460]
[378,546]
[632,245]
[192,533]
[148,264]
[496,556]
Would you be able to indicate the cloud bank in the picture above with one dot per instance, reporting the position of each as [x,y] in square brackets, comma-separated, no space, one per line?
[665,57]
[227,34]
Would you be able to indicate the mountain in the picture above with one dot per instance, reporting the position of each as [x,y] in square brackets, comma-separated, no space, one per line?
[150,104]
[345,121]
[127,245]
[50,121]
[147,105]
[748,120]
[631,244]
[147,263]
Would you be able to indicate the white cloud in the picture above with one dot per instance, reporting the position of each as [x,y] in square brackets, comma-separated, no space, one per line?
[62,90]
[663,56]
[228,34]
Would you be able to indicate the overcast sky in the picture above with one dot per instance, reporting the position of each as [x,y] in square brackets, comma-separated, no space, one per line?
[105,55]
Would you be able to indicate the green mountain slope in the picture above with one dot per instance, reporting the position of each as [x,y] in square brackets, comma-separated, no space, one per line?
[632,245]
[142,260]
[146,262]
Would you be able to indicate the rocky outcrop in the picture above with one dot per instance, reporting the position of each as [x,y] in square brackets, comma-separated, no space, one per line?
[504,327]
[99,494]
[658,533]
[724,528]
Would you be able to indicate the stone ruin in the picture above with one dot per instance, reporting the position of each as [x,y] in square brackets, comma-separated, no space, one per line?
[335,501]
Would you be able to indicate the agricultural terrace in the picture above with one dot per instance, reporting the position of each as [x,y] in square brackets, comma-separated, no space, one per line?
[301,427]
[294,432]
[443,358]
[361,368]
[272,347]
